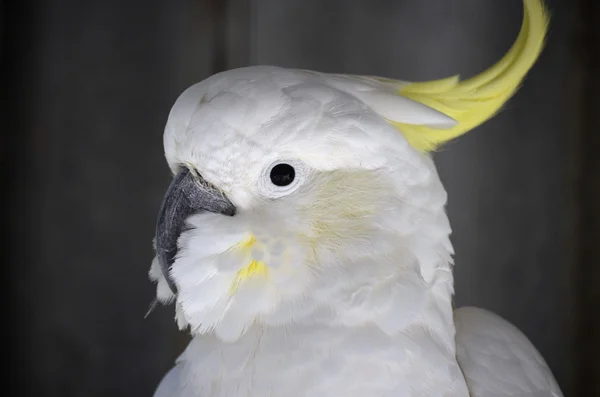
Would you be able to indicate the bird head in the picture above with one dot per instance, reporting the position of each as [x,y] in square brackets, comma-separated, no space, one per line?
[283,180]
[295,192]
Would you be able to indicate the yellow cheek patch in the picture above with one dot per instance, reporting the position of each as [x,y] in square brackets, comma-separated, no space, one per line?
[253,269]
[341,212]
[248,243]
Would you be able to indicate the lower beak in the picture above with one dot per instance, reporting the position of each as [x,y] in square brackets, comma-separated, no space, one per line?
[187,195]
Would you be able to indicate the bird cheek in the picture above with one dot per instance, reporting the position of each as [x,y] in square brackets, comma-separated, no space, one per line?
[242,197]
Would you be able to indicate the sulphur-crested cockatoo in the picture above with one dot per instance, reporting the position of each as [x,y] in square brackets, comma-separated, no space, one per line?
[305,243]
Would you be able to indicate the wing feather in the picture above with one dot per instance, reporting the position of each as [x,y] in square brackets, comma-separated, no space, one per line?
[170,385]
[498,360]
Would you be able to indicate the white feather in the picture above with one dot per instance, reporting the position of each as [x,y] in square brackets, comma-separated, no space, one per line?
[498,360]
[355,295]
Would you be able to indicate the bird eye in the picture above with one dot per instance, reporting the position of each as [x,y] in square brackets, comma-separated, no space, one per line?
[282,174]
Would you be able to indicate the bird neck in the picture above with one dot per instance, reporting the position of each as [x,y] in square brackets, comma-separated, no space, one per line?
[398,293]
[382,334]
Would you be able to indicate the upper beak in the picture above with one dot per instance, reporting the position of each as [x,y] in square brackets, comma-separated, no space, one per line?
[188,194]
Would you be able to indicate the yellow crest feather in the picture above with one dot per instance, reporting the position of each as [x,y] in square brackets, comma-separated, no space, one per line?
[471,102]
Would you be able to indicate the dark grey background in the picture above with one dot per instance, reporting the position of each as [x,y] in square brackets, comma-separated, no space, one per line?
[86,90]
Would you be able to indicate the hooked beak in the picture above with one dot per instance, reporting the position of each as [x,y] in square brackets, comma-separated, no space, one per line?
[187,195]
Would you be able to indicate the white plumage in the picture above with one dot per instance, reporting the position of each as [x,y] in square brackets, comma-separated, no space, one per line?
[351,289]
[497,360]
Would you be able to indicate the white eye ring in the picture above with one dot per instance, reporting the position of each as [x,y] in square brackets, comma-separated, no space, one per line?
[282,177]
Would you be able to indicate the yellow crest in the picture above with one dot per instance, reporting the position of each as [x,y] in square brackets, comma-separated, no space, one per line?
[471,102]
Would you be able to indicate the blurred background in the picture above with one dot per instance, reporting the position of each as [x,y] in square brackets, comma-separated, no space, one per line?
[86,90]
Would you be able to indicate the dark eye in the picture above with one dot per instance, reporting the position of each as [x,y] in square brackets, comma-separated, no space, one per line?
[282,174]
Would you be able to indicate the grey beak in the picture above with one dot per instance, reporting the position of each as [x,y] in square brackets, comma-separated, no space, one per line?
[187,195]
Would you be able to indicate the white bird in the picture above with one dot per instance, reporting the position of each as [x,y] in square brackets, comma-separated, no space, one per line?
[305,243]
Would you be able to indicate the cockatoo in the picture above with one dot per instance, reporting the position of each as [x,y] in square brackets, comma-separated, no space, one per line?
[305,243]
